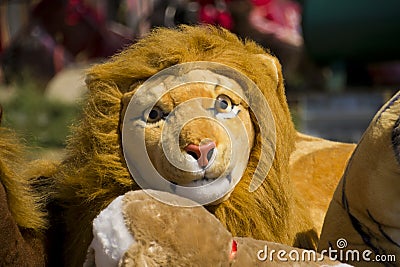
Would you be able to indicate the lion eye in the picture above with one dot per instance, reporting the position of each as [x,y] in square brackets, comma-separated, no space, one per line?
[223,104]
[155,115]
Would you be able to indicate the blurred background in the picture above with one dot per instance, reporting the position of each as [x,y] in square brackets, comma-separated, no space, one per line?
[340,58]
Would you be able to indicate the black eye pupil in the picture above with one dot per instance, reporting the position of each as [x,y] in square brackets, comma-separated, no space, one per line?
[153,114]
[223,104]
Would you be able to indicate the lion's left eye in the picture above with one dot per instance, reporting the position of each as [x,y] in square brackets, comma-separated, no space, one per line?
[223,104]
[155,115]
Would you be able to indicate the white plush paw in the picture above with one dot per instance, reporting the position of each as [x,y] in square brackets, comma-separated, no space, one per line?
[111,237]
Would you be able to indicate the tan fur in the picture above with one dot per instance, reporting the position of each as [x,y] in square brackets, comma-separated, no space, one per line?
[198,238]
[95,171]
[316,167]
[158,246]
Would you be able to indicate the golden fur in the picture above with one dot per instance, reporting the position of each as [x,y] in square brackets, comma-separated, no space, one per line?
[95,171]
[24,195]
[316,166]
[26,206]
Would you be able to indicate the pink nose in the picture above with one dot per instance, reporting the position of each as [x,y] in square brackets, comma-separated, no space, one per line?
[202,153]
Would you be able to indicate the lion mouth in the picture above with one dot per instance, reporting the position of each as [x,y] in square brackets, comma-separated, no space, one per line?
[205,188]
[204,181]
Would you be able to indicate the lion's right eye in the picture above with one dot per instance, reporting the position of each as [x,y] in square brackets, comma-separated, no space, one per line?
[223,104]
[155,115]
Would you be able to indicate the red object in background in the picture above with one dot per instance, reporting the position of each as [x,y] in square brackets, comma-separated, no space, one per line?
[82,27]
[215,13]
[281,18]
[260,2]
[285,12]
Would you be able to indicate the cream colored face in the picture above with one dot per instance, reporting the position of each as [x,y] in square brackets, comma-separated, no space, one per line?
[204,142]
[187,130]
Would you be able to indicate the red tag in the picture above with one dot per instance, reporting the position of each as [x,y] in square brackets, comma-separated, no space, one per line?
[233,251]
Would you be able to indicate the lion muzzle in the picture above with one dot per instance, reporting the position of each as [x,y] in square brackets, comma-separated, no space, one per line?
[203,152]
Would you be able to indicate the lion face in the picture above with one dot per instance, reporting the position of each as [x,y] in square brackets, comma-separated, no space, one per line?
[204,143]
[188,130]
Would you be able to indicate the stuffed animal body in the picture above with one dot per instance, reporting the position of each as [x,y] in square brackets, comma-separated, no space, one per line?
[122,237]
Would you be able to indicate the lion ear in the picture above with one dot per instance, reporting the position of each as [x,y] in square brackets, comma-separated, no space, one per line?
[273,63]
[275,70]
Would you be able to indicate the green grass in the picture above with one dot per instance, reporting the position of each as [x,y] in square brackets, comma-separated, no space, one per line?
[41,122]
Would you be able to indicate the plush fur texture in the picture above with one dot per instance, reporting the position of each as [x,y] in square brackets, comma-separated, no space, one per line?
[365,206]
[198,238]
[316,167]
[26,206]
[23,219]
[95,171]
[190,243]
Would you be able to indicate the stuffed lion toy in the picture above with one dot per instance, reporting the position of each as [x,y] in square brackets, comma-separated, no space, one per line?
[201,116]
[300,174]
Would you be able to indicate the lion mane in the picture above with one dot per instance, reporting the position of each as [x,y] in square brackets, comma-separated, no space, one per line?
[26,205]
[23,197]
[95,172]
